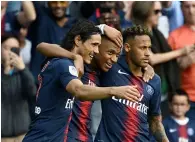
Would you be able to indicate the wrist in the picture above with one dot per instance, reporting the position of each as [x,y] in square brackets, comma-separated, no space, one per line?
[102,28]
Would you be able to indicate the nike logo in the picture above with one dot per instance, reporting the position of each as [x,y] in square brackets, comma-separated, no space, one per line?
[172,130]
[120,72]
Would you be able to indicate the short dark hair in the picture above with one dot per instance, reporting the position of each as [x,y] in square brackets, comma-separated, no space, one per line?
[6,36]
[140,11]
[84,28]
[135,30]
[178,92]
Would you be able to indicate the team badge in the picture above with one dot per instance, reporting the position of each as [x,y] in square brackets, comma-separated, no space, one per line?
[73,71]
[150,90]
[190,131]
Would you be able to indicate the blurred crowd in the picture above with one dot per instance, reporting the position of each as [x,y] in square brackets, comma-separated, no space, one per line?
[26,24]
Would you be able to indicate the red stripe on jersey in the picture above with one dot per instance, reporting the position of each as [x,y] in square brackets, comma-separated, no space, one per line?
[40,79]
[183,131]
[40,84]
[132,119]
[85,108]
[66,129]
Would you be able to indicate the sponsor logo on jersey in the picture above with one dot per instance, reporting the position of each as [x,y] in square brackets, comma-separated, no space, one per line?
[69,103]
[141,107]
[172,130]
[181,139]
[73,71]
[190,132]
[90,83]
[149,90]
[120,72]
[37,110]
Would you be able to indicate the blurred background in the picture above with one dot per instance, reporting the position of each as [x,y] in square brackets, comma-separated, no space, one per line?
[25,24]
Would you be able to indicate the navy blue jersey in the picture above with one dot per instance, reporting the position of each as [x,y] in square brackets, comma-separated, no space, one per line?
[122,120]
[53,103]
[179,133]
[79,128]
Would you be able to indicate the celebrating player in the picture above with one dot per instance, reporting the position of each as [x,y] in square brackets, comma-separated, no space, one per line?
[108,55]
[59,84]
[123,120]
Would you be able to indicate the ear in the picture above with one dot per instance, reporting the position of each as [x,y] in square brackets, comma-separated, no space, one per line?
[77,40]
[188,107]
[127,47]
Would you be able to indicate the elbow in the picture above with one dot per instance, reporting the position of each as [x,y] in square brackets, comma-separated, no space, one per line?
[78,94]
[32,18]
[39,46]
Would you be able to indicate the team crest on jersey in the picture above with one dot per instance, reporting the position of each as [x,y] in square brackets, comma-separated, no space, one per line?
[190,131]
[150,90]
[73,71]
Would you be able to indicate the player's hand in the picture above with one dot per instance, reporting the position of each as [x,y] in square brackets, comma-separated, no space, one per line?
[127,92]
[148,73]
[114,35]
[78,62]
[16,61]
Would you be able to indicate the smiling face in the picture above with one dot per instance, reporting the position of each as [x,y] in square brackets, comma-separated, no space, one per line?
[90,47]
[108,54]
[138,50]
[58,8]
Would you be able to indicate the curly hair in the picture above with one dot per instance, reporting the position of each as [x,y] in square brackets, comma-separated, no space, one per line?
[134,31]
[84,28]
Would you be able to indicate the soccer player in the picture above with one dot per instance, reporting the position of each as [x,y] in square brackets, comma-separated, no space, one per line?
[178,127]
[59,84]
[124,120]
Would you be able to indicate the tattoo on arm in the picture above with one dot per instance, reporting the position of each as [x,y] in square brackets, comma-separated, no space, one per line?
[157,129]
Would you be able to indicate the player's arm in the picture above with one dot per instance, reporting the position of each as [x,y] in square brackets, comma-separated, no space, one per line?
[157,128]
[86,92]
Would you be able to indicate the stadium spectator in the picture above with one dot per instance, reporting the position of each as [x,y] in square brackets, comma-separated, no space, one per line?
[172,9]
[179,39]
[25,46]
[178,127]
[17,90]
[12,21]
[51,26]
[110,13]
[162,58]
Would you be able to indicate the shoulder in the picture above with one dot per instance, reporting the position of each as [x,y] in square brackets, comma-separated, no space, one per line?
[167,120]
[155,80]
[177,31]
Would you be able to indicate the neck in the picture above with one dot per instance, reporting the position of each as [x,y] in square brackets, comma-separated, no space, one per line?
[149,26]
[179,117]
[94,64]
[136,70]
[62,21]
[22,43]
[192,26]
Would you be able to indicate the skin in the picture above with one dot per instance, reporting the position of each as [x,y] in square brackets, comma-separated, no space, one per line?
[9,59]
[108,54]
[137,56]
[153,18]
[138,53]
[88,48]
[188,8]
[179,106]
[58,8]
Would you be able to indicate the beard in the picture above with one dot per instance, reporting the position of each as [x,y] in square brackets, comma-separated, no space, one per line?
[58,18]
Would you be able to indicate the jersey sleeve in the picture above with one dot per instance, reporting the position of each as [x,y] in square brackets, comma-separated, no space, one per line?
[154,106]
[67,71]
